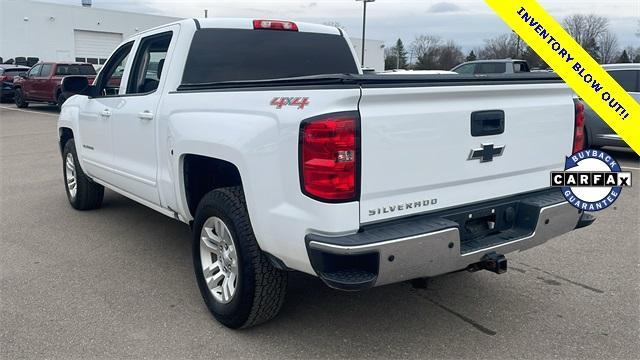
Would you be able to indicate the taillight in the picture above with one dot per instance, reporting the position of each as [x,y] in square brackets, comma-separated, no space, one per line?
[274,25]
[578,132]
[329,157]
[4,78]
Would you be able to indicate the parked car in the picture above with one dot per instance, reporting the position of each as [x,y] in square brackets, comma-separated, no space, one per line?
[417,72]
[503,66]
[266,138]
[42,82]
[7,73]
[597,132]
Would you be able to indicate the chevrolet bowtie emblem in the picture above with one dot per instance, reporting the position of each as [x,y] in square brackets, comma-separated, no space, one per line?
[486,153]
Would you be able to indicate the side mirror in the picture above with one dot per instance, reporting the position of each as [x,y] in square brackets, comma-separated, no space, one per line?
[77,85]
[22,74]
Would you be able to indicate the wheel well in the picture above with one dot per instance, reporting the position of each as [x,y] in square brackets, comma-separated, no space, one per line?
[203,174]
[65,135]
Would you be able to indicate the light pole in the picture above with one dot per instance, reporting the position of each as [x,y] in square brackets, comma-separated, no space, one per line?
[364,25]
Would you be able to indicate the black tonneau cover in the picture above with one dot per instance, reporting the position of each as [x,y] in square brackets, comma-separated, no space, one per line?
[375,80]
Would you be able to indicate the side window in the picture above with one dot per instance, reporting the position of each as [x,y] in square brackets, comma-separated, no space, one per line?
[149,63]
[491,68]
[108,83]
[465,69]
[628,79]
[35,71]
[46,70]
[519,67]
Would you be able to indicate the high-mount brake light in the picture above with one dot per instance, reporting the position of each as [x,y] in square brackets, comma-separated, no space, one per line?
[578,132]
[330,157]
[274,25]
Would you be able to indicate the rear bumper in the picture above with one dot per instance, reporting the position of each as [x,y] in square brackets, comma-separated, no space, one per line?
[435,244]
[7,91]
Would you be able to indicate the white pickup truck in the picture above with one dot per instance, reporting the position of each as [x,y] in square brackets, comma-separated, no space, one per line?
[266,138]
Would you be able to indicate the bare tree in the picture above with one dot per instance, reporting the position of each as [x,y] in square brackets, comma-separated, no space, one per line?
[607,47]
[501,47]
[449,55]
[425,49]
[587,30]
[424,44]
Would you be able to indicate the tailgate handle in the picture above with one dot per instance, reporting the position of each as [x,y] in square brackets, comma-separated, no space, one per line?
[485,123]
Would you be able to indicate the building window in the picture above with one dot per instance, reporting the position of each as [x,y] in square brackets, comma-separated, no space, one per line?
[80,59]
[92,61]
[102,61]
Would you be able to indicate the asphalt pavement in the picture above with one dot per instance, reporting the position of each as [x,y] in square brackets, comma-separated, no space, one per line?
[118,283]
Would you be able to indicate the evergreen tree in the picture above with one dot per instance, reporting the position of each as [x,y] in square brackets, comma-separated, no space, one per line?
[396,57]
[624,58]
[472,56]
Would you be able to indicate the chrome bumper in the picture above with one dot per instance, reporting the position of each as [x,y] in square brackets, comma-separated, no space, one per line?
[432,253]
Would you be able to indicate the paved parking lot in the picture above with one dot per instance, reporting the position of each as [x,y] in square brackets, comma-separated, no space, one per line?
[118,283]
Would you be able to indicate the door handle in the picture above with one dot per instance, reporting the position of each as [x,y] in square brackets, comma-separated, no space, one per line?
[484,123]
[105,113]
[146,115]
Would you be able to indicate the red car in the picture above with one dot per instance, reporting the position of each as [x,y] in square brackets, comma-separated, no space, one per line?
[42,82]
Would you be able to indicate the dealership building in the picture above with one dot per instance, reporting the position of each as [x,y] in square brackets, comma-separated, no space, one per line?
[55,32]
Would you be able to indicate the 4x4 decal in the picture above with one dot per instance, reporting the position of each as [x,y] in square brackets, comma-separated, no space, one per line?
[280,102]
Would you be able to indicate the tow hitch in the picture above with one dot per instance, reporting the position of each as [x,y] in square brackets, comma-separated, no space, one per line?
[493,262]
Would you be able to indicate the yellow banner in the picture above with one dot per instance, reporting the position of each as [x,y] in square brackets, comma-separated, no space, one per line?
[576,67]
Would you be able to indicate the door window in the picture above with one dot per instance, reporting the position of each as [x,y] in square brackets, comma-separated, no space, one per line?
[149,64]
[108,83]
[491,68]
[465,69]
[35,71]
[46,70]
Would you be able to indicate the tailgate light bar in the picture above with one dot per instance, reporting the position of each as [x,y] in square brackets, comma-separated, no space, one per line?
[274,25]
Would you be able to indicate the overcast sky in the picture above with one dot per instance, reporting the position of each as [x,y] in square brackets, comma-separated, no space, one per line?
[467,22]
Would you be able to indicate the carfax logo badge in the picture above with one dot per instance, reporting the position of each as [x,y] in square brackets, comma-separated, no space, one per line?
[592,180]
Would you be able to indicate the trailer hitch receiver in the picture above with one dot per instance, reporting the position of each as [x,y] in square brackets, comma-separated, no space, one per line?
[493,262]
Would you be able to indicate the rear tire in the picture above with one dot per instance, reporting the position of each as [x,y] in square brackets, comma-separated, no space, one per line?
[83,194]
[60,100]
[258,288]
[18,98]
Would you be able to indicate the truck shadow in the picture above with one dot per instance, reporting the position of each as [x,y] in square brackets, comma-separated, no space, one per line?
[390,321]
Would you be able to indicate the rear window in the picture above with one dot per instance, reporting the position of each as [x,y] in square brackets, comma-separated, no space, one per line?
[13,72]
[519,67]
[628,79]
[491,68]
[218,55]
[75,70]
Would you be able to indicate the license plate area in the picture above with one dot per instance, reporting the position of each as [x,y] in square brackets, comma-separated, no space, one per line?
[488,226]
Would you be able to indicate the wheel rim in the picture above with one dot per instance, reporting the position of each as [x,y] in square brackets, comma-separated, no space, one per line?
[219,260]
[70,170]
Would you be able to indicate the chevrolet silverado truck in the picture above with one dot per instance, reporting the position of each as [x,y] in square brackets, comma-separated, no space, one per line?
[266,138]
[42,82]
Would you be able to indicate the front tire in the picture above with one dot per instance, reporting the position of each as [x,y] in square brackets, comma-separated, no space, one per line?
[237,281]
[18,98]
[83,194]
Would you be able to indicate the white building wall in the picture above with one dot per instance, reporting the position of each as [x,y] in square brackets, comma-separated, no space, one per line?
[45,30]
[49,31]
[373,53]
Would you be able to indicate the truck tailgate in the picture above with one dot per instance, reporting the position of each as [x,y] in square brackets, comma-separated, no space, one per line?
[417,141]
